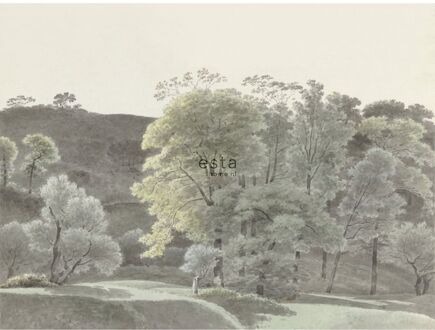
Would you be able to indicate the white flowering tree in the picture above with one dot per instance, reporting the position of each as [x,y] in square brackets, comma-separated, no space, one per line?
[199,260]
[73,229]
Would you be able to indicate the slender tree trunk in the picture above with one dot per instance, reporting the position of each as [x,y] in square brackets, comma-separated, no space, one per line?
[324,263]
[195,285]
[426,284]
[5,172]
[55,249]
[242,252]
[374,278]
[334,272]
[297,258]
[260,285]
[275,159]
[268,170]
[309,183]
[10,272]
[218,269]
[32,171]
[417,286]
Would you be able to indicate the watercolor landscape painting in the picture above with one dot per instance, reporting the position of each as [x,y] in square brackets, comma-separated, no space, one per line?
[217,166]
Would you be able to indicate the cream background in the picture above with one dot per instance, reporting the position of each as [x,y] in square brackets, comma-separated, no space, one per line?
[111,56]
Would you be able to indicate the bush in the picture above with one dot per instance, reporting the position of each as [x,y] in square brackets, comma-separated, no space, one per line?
[245,307]
[28,281]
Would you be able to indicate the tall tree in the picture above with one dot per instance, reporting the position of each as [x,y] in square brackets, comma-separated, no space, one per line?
[370,190]
[8,154]
[276,97]
[201,137]
[322,129]
[43,151]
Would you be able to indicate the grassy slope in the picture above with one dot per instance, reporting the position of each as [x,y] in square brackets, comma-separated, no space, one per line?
[123,304]
[353,276]
[323,316]
[146,304]
[93,147]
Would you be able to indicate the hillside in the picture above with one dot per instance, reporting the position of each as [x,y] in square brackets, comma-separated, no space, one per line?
[99,152]
[111,305]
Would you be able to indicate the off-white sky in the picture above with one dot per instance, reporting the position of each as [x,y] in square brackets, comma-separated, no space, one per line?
[112,56]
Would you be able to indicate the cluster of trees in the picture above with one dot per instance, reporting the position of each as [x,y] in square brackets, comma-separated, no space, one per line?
[313,171]
[70,237]
[64,100]
[42,151]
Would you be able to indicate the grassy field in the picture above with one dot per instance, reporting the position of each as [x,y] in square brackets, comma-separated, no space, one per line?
[147,304]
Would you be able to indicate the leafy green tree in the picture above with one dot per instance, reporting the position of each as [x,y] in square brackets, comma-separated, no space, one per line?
[370,192]
[413,245]
[43,151]
[8,154]
[197,137]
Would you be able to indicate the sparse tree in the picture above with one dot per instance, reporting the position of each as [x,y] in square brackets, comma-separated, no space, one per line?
[413,246]
[202,79]
[369,191]
[199,260]
[65,101]
[73,229]
[15,251]
[43,151]
[19,101]
[8,154]
[321,132]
